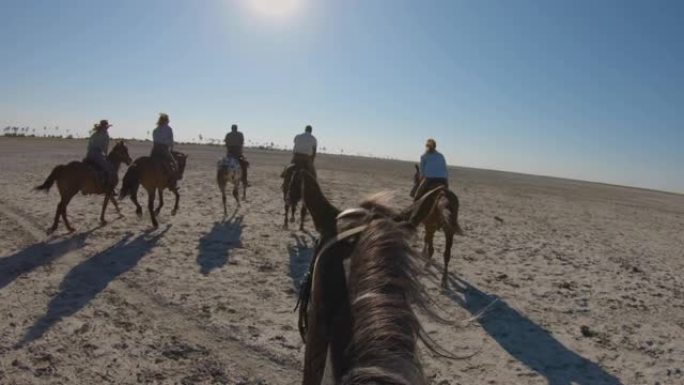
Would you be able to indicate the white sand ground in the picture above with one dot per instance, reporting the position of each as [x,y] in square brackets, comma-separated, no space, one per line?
[204,300]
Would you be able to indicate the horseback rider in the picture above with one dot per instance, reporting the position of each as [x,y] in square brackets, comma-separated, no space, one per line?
[304,151]
[235,142]
[433,170]
[162,137]
[98,145]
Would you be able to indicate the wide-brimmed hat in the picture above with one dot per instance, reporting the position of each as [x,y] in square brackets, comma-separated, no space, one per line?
[104,123]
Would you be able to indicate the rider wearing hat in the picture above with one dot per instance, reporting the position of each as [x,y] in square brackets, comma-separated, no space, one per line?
[235,142]
[433,170]
[98,145]
[162,138]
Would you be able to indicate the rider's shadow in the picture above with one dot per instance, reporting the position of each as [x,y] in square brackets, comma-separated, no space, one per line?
[215,246]
[301,254]
[34,256]
[527,341]
[86,280]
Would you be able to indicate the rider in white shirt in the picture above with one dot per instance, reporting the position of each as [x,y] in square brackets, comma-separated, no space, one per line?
[305,146]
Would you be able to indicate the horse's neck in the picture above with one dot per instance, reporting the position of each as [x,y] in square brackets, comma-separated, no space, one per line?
[114,162]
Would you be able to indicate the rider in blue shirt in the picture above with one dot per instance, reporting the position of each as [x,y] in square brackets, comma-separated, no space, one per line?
[433,169]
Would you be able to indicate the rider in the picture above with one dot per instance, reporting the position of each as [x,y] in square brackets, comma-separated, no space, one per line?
[433,170]
[304,151]
[98,145]
[162,137]
[235,142]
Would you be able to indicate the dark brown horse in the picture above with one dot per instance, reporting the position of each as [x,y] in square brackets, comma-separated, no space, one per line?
[292,194]
[152,175]
[79,176]
[443,215]
[356,306]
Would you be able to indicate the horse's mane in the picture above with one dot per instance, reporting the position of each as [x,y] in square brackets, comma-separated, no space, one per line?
[383,286]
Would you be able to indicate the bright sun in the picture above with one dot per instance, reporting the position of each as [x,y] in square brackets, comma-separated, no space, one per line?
[275,8]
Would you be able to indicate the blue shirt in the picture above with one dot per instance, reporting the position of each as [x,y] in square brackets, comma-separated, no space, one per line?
[433,165]
[163,135]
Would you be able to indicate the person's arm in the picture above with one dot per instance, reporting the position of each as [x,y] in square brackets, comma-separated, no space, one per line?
[315,147]
[422,166]
[242,140]
[171,138]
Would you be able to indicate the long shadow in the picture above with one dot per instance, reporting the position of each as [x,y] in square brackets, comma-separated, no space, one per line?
[88,279]
[301,254]
[215,246]
[34,256]
[528,342]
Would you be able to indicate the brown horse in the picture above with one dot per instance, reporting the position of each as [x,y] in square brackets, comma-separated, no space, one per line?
[356,306]
[443,215]
[152,175]
[229,170]
[79,176]
[292,194]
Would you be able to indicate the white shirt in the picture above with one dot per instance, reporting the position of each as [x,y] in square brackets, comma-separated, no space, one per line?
[163,135]
[305,144]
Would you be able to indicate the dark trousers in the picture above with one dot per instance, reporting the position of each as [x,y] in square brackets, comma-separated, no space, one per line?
[427,185]
[304,162]
[163,153]
[99,161]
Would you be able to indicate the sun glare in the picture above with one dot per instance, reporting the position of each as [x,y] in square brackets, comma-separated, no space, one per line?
[275,8]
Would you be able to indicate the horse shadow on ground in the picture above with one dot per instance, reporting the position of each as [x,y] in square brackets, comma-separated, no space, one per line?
[527,341]
[85,281]
[301,254]
[37,255]
[215,246]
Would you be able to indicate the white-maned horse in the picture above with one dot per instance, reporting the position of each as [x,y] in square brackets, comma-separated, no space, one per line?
[228,170]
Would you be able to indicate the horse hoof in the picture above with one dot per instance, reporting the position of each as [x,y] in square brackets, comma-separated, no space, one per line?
[138,213]
[174,212]
[50,230]
[103,222]
[71,229]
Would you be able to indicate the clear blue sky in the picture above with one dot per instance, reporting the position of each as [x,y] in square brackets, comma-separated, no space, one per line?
[581,89]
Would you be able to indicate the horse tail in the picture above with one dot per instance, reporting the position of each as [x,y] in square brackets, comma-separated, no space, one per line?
[56,172]
[448,206]
[131,182]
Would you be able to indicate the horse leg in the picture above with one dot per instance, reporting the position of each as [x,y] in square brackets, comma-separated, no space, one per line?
[150,207]
[138,208]
[428,246]
[161,201]
[58,212]
[447,256]
[236,194]
[293,208]
[223,198]
[66,201]
[175,205]
[116,205]
[302,217]
[287,209]
[104,207]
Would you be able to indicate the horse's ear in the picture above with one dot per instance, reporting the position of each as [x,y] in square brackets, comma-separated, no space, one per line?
[323,213]
[420,209]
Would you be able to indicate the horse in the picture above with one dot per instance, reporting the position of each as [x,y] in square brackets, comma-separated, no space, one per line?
[228,170]
[356,312]
[443,215]
[151,173]
[81,176]
[292,194]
